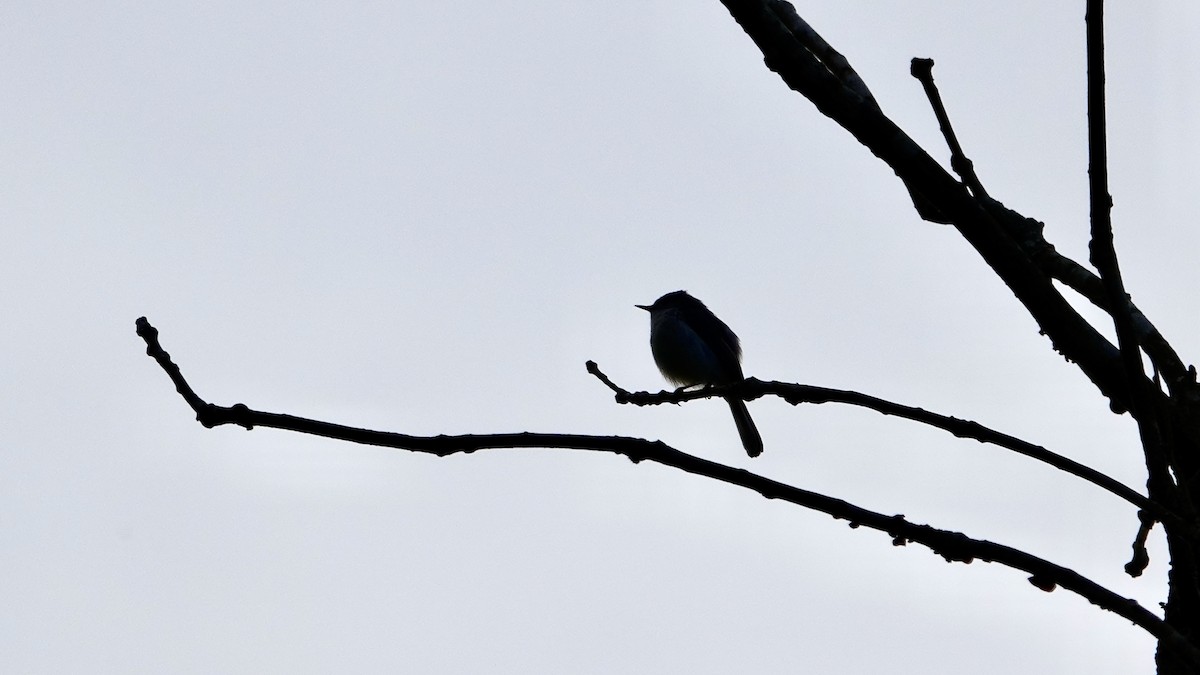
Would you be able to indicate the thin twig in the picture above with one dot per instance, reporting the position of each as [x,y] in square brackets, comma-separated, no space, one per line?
[796,394]
[1141,557]
[952,546]
[922,69]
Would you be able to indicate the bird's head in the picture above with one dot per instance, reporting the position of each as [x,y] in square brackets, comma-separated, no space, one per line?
[678,300]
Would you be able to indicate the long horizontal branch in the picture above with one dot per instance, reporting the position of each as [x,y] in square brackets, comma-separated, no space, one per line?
[796,394]
[952,546]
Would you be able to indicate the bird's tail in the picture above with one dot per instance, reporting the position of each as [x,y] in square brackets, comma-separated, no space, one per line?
[751,440]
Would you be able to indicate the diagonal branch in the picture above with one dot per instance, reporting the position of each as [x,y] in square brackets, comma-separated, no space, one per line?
[832,59]
[1069,333]
[1028,233]
[796,394]
[922,69]
[953,546]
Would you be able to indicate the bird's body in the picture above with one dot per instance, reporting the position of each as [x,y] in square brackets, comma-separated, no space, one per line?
[691,346]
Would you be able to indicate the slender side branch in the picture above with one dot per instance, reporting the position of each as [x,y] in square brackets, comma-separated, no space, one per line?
[922,69]
[1141,557]
[952,546]
[1029,234]
[1069,332]
[796,394]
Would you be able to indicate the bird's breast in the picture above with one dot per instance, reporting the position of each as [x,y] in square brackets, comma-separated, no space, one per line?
[681,354]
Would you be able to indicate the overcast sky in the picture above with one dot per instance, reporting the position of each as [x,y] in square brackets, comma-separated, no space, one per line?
[425,217]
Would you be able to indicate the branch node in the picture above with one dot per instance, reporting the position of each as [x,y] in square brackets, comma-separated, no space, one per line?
[922,69]
[1043,583]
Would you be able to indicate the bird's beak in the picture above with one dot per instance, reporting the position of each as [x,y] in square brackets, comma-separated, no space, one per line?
[645,307]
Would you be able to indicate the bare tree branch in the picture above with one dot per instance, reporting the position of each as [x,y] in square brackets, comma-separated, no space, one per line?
[922,69]
[1166,458]
[1144,401]
[952,546]
[1069,333]
[1029,234]
[1111,290]
[1013,246]
[831,58]
[796,394]
[1141,557]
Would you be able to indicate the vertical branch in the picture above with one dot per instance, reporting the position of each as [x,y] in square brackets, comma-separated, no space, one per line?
[1143,399]
[1103,253]
[1164,449]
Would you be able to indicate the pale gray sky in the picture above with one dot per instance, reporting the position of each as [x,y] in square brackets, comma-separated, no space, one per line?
[425,217]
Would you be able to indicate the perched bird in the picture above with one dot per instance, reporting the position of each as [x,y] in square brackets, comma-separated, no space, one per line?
[691,346]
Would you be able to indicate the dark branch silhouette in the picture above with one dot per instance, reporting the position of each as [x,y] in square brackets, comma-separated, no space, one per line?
[1029,234]
[1147,404]
[1133,329]
[1143,396]
[803,71]
[952,546]
[922,69]
[1165,405]
[831,58]
[796,394]
[1144,405]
